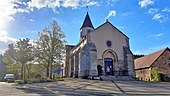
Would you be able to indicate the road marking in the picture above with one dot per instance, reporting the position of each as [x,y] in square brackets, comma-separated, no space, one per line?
[84,86]
[123,92]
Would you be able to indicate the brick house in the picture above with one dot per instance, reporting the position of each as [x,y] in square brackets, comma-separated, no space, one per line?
[159,59]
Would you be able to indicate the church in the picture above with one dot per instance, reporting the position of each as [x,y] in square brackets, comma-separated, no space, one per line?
[101,51]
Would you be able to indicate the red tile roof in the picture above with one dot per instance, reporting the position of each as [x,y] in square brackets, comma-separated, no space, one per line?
[147,61]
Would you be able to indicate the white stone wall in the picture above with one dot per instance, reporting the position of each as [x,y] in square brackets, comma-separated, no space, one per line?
[107,32]
[84,66]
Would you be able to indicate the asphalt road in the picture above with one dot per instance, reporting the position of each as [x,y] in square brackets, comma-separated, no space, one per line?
[81,87]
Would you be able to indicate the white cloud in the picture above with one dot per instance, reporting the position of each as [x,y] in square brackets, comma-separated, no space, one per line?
[160,17]
[32,20]
[89,3]
[153,10]
[158,35]
[142,52]
[126,14]
[8,9]
[145,3]
[5,38]
[19,10]
[166,10]
[71,3]
[43,3]
[2,51]
[60,3]
[111,2]
[111,13]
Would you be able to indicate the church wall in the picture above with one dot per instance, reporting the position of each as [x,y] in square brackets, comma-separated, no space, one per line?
[76,64]
[130,62]
[66,64]
[104,33]
[71,63]
[84,62]
[93,61]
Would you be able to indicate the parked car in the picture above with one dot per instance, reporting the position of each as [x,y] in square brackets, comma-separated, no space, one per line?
[9,77]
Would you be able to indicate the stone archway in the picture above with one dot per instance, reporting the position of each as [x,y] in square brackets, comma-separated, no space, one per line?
[110,60]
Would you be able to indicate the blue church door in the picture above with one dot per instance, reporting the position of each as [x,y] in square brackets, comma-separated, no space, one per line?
[108,65]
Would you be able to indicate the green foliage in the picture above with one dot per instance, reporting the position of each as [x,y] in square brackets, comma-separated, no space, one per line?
[48,79]
[58,78]
[10,81]
[18,81]
[50,47]
[48,54]
[16,57]
[155,74]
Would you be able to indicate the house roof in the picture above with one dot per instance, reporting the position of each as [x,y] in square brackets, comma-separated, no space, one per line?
[147,61]
[87,22]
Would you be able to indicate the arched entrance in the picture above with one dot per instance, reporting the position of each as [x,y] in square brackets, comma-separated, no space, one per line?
[109,62]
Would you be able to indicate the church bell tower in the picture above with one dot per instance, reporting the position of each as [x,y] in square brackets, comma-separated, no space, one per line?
[86,27]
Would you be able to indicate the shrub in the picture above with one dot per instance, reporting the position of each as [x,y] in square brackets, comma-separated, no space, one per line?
[10,81]
[19,81]
[58,78]
[155,74]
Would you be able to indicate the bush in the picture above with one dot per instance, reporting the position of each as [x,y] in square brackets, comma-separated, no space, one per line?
[58,78]
[10,81]
[46,80]
[156,74]
[19,81]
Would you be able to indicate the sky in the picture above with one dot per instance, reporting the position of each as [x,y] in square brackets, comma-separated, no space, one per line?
[145,22]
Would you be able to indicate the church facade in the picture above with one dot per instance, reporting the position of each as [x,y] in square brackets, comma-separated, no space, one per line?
[101,51]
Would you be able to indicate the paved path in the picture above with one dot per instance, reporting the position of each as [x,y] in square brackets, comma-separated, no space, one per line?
[144,88]
[9,89]
[74,87]
[81,87]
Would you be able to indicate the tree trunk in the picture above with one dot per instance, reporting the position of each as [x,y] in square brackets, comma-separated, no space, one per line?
[50,67]
[47,71]
[24,72]
[28,71]
[22,68]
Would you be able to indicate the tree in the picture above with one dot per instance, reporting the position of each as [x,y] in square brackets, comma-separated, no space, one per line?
[10,59]
[24,52]
[137,56]
[18,55]
[50,47]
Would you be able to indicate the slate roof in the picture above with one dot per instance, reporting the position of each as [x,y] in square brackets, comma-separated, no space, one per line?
[87,22]
[147,61]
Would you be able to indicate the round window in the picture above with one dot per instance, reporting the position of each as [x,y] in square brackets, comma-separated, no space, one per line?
[109,43]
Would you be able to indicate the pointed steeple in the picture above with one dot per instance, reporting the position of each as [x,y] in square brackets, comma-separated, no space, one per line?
[87,22]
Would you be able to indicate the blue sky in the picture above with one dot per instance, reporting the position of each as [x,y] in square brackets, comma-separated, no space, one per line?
[145,22]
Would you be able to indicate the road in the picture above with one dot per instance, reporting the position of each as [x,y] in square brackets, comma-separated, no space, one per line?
[81,87]
[9,89]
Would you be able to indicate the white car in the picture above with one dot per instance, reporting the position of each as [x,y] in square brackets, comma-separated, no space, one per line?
[9,77]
